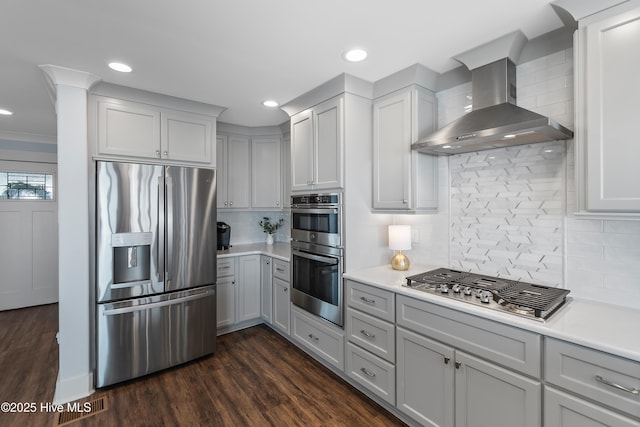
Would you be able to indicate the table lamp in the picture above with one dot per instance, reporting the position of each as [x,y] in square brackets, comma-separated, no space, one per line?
[399,240]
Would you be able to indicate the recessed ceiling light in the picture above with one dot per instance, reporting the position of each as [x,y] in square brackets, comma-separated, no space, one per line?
[355,55]
[446,146]
[509,136]
[119,66]
[270,103]
[4,112]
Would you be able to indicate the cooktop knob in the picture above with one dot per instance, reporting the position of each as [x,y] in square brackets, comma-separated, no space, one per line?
[467,290]
[456,289]
[479,293]
[444,288]
[486,297]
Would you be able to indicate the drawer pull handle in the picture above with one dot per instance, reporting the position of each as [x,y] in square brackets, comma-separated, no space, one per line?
[314,337]
[367,334]
[368,300]
[281,270]
[286,289]
[367,372]
[226,267]
[633,391]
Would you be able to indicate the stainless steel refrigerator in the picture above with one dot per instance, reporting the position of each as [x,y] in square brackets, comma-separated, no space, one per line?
[155,268]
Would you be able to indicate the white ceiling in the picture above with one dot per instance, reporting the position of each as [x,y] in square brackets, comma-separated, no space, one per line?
[236,53]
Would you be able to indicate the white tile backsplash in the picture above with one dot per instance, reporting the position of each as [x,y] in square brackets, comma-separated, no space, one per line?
[245,226]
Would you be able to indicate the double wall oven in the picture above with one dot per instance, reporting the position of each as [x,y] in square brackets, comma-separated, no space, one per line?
[317,254]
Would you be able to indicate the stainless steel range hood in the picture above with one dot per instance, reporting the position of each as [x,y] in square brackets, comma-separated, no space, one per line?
[496,121]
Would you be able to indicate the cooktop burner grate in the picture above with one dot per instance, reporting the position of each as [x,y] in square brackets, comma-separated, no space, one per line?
[536,297]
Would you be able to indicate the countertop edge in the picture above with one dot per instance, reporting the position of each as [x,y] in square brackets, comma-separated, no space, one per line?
[279,250]
[574,322]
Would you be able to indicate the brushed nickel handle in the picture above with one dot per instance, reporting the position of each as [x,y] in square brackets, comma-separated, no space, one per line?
[314,337]
[604,381]
[158,153]
[368,300]
[367,372]
[367,334]
[165,153]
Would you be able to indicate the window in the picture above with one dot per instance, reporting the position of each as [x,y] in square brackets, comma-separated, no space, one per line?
[26,186]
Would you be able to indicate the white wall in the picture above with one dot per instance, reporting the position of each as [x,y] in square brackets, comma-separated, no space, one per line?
[510,211]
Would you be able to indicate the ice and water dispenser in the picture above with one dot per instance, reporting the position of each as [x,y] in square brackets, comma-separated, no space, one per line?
[131,257]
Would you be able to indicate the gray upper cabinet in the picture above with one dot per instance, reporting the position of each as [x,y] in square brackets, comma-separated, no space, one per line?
[234,173]
[127,129]
[266,177]
[607,62]
[317,147]
[402,179]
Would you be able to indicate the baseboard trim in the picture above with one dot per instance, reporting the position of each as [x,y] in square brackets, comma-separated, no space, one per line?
[74,388]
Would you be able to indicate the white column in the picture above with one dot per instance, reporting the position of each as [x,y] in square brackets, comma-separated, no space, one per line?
[69,88]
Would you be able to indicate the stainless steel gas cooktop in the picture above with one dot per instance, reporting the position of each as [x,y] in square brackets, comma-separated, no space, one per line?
[520,298]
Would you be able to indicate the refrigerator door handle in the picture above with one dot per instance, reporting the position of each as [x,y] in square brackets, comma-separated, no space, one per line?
[161,229]
[168,228]
[162,303]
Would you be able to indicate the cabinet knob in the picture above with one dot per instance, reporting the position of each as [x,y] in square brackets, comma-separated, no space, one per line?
[405,201]
[226,203]
[158,153]
[458,364]
[165,153]
[230,203]
[446,360]
[286,289]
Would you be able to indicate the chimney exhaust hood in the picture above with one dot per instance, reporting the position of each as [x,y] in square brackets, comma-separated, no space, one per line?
[496,121]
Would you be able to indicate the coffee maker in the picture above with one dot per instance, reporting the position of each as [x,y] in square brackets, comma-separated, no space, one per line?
[224,235]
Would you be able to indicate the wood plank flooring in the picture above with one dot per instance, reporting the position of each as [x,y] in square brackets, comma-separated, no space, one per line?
[256,378]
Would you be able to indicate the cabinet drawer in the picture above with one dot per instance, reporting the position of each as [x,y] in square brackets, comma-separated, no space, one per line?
[281,270]
[377,375]
[226,267]
[371,300]
[594,374]
[505,345]
[323,339]
[371,333]
[561,409]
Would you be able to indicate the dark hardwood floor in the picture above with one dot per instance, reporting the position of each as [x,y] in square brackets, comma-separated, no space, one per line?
[256,378]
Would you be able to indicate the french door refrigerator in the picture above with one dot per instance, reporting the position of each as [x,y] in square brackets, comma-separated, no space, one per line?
[155,268]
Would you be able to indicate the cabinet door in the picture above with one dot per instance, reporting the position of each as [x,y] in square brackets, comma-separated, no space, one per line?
[564,410]
[248,287]
[302,151]
[286,171]
[238,172]
[611,61]
[187,137]
[266,185]
[281,311]
[221,174]
[391,151]
[226,301]
[424,167]
[328,144]
[425,375]
[128,129]
[266,281]
[488,395]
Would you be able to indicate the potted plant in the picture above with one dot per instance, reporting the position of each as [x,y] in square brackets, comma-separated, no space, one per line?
[270,228]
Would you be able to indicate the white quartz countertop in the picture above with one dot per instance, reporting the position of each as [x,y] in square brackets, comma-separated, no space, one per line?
[605,327]
[279,250]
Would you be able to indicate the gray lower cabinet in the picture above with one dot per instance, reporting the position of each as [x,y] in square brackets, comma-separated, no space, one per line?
[455,369]
[281,306]
[266,289]
[586,374]
[564,410]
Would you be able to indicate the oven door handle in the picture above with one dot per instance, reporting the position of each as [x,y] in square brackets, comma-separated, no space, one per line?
[320,258]
[330,211]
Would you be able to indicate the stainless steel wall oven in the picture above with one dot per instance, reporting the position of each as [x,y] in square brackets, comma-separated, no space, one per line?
[317,255]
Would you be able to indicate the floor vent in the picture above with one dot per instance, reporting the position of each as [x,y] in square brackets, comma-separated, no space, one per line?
[79,411]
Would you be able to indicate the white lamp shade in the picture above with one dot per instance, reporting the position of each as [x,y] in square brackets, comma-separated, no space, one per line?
[399,237]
